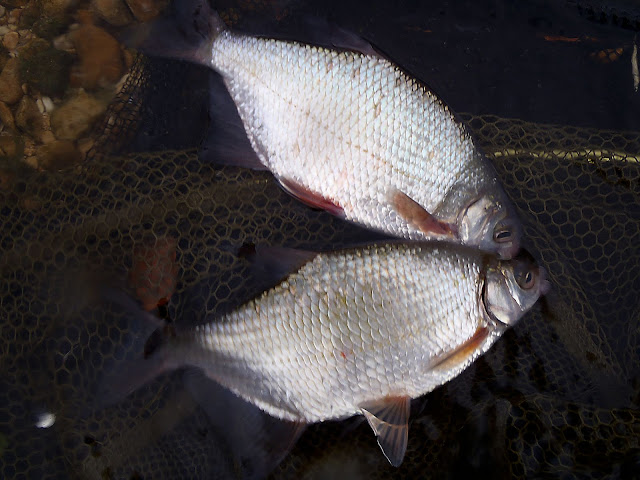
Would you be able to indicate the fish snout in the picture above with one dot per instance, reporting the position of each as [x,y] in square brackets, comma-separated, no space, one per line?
[512,287]
[487,224]
[545,284]
[506,238]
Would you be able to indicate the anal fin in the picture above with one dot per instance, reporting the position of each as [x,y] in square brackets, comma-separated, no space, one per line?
[310,198]
[416,215]
[256,441]
[389,420]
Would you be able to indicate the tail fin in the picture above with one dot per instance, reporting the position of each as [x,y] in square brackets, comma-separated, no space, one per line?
[140,365]
[186,32]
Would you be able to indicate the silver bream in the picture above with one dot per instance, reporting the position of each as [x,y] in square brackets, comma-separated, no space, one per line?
[359,331]
[350,132]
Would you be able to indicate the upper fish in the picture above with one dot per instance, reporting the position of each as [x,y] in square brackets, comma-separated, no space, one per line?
[357,331]
[349,131]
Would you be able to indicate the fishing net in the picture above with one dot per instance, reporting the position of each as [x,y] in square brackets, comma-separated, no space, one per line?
[557,396]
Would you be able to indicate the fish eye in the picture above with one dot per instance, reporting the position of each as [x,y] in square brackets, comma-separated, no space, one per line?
[526,279]
[503,235]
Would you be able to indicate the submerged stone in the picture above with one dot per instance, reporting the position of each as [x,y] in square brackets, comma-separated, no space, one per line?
[45,68]
[10,88]
[76,116]
[6,116]
[58,155]
[146,10]
[114,12]
[100,58]
[4,57]
[10,146]
[29,119]
[51,27]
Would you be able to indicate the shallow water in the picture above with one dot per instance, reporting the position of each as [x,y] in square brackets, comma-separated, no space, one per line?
[556,397]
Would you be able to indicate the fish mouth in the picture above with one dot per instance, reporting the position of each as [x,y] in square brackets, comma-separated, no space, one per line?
[545,284]
[492,318]
[483,223]
[511,288]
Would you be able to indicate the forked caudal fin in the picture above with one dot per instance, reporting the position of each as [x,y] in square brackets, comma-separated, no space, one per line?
[138,368]
[389,420]
[186,32]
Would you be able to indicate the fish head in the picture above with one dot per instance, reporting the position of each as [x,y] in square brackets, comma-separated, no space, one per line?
[512,287]
[489,223]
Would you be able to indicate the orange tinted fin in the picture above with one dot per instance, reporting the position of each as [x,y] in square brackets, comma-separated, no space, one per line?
[449,360]
[310,198]
[389,419]
[154,273]
[416,215]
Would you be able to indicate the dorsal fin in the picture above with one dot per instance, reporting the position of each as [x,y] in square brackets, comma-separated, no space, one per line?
[275,263]
[329,35]
[186,31]
[313,30]
[389,420]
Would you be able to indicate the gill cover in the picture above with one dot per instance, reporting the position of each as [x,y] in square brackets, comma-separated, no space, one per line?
[490,224]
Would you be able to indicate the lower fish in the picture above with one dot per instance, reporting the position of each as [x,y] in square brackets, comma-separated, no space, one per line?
[355,332]
[346,130]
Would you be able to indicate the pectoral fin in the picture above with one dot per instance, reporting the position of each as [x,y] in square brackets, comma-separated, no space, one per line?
[308,197]
[416,215]
[461,354]
[389,419]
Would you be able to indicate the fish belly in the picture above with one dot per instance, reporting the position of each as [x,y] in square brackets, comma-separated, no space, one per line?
[350,127]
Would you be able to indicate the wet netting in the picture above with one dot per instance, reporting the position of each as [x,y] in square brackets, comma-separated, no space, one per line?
[556,397]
